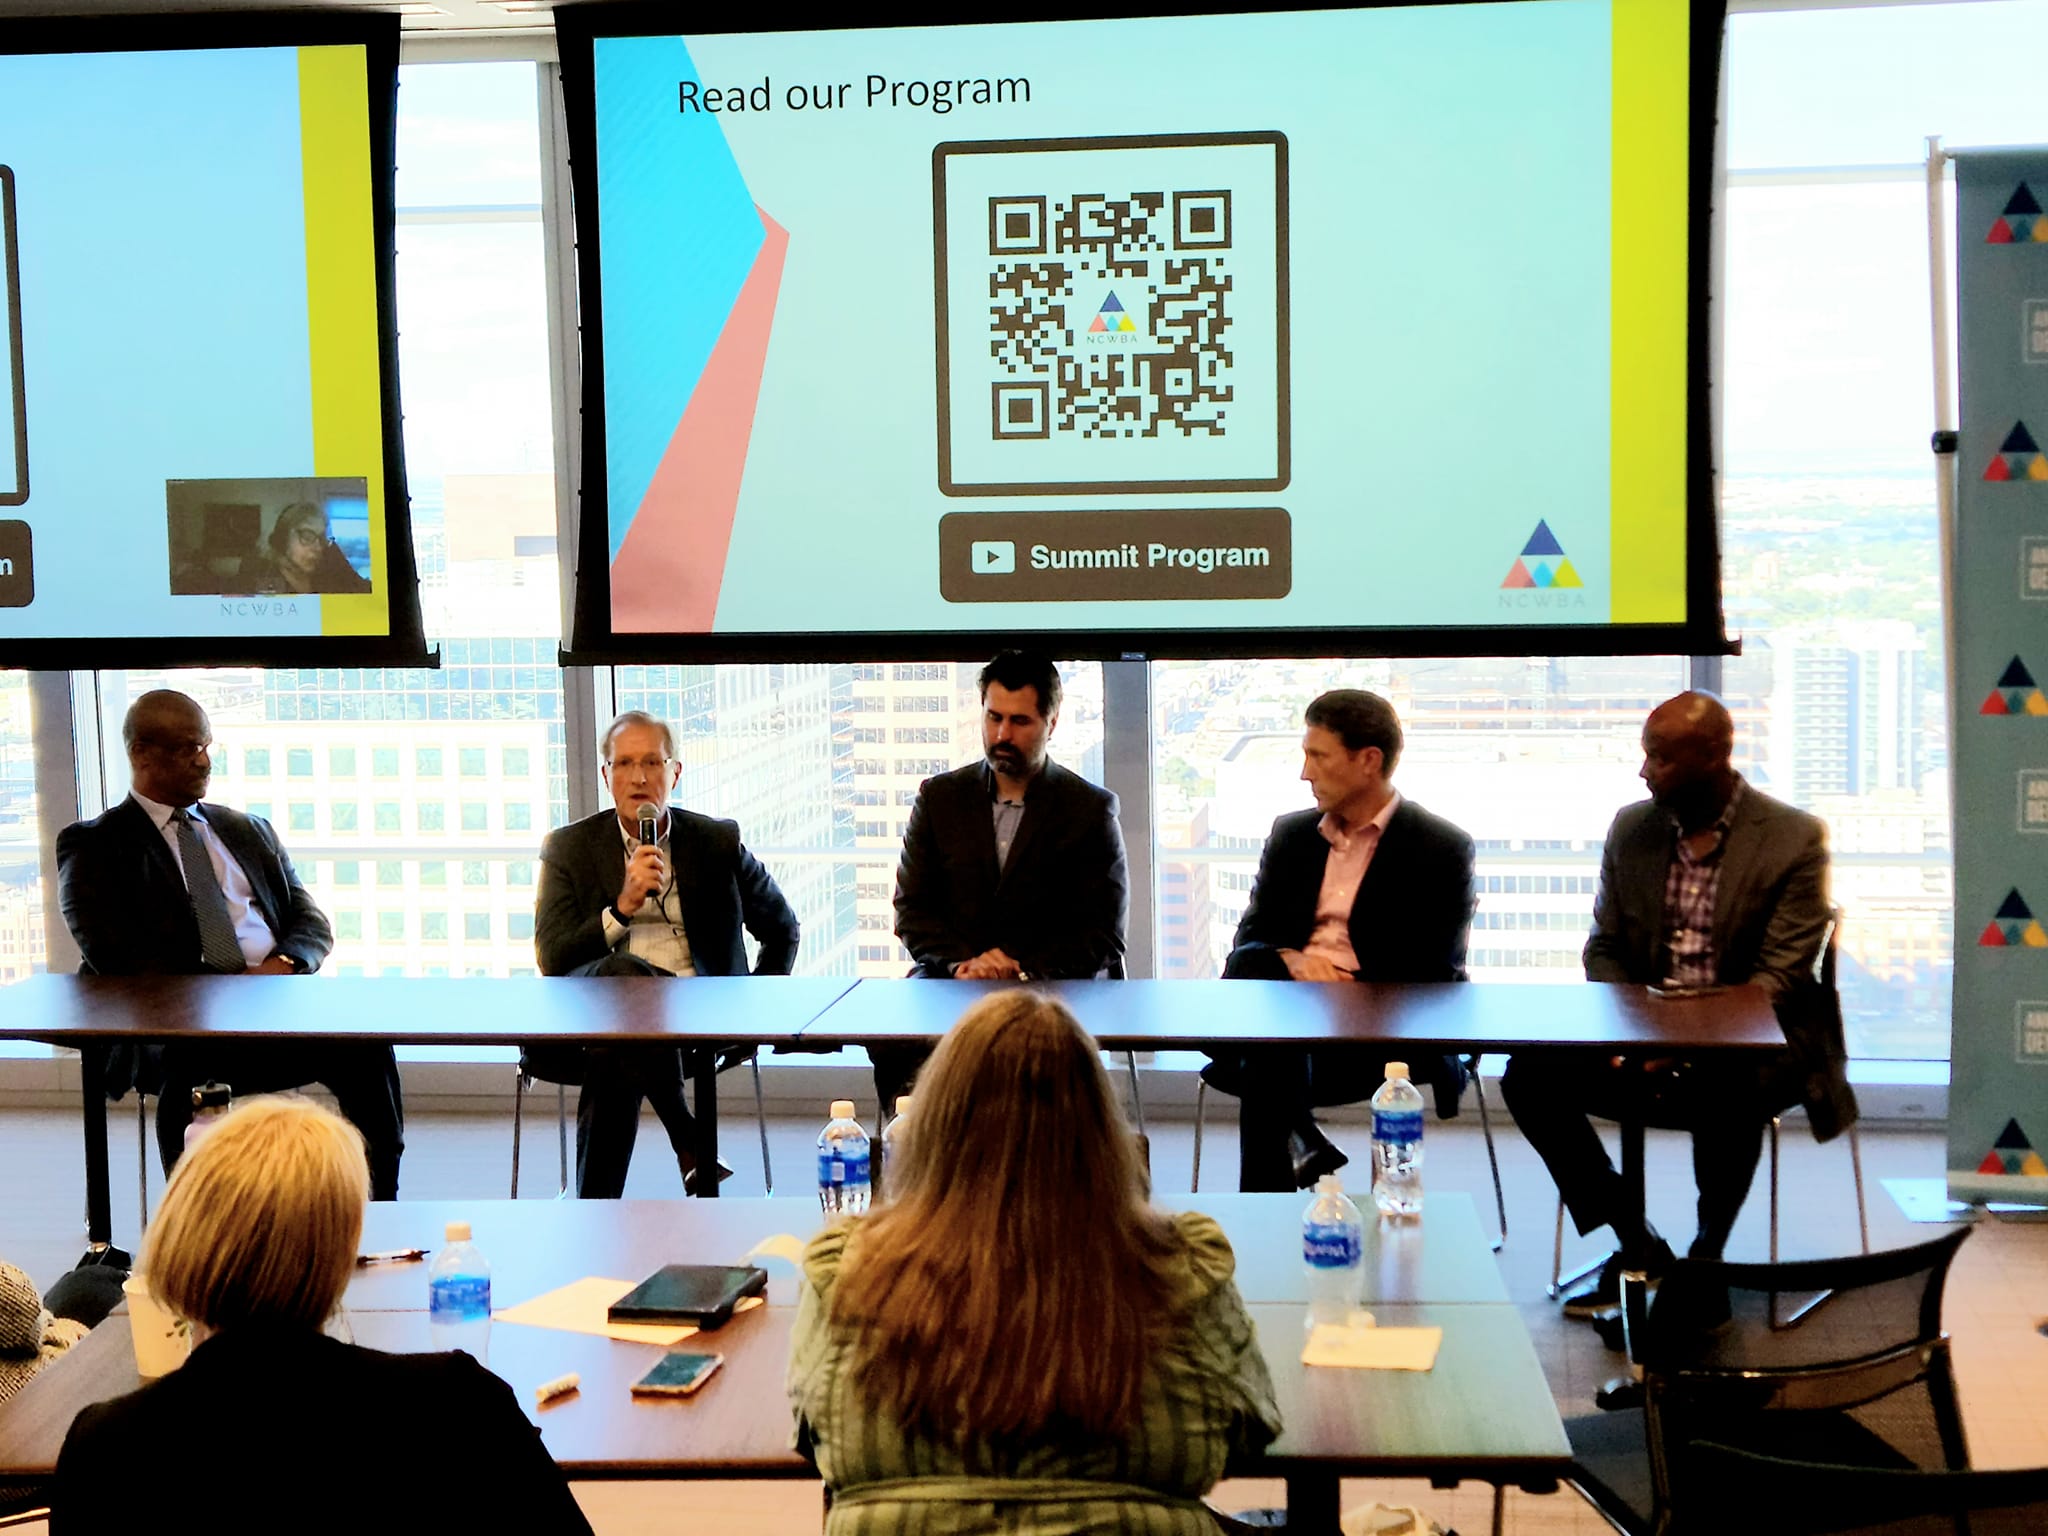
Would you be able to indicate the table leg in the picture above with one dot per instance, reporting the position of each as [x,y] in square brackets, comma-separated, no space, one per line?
[92,1070]
[702,1064]
[1634,1255]
[1312,1504]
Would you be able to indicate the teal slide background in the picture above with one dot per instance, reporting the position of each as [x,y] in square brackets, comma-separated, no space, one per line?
[1450,228]
[163,285]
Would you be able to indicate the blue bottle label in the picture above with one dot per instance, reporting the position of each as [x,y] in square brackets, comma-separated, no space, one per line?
[842,1167]
[459,1298]
[1330,1245]
[1397,1125]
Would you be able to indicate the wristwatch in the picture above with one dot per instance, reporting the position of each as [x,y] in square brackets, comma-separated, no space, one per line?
[298,965]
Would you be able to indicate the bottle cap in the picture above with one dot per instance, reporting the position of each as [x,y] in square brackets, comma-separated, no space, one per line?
[1397,1069]
[456,1232]
[903,1105]
[1329,1184]
[842,1109]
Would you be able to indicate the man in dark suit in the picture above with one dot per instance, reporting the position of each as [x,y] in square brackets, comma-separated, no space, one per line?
[1368,886]
[167,884]
[616,902]
[1709,882]
[1012,867]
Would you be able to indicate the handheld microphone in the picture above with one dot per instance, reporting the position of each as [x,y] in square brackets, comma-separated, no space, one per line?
[647,823]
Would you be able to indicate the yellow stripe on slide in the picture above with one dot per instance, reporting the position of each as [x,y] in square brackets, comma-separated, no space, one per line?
[341,305]
[1646,536]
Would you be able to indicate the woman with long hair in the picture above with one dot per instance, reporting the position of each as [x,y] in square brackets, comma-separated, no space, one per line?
[1018,1340]
[271,1421]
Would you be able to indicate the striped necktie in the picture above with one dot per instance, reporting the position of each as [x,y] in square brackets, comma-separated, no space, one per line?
[218,947]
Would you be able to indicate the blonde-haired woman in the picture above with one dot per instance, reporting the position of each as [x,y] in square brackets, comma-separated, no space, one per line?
[1018,1341]
[270,1421]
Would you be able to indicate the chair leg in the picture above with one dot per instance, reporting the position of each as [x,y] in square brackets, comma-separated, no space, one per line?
[142,1159]
[1201,1101]
[518,1105]
[1500,1199]
[761,1120]
[1862,1210]
[1137,1102]
[562,1137]
[1776,1121]
[1558,1278]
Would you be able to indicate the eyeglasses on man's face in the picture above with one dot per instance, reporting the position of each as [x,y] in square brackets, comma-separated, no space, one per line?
[178,746]
[653,766]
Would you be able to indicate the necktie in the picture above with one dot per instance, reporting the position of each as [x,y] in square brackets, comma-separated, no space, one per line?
[218,946]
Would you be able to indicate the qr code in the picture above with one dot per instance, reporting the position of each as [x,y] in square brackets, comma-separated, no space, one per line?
[1110,315]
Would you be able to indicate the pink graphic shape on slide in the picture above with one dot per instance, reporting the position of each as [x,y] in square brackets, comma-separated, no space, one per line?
[669,568]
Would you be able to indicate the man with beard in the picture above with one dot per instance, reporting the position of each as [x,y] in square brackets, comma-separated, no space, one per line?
[1708,883]
[1013,867]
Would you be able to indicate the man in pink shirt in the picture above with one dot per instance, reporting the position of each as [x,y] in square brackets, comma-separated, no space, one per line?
[1368,886]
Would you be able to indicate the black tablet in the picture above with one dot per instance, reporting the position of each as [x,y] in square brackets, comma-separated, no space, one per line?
[704,1294]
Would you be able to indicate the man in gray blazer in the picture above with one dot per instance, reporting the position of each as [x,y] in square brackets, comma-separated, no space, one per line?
[1708,883]
[645,889]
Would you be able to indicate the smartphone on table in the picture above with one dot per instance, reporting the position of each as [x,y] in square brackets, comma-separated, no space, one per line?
[677,1374]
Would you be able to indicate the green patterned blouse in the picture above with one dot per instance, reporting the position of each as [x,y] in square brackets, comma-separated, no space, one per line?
[1207,1399]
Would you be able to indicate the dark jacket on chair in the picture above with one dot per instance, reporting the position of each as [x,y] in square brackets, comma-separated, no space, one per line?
[722,887]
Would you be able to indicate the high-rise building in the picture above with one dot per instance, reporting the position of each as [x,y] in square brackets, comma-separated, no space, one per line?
[1846,703]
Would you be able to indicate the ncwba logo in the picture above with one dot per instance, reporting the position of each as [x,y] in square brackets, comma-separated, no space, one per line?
[2015,926]
[2015,693]
[2019,456]
[2013,1154]
[1543,576]
[2022,220]
[1112,325]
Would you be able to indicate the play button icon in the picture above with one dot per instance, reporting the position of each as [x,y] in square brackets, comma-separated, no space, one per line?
[992,557]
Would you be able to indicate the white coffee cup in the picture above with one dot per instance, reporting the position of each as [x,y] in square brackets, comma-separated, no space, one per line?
[161,1340]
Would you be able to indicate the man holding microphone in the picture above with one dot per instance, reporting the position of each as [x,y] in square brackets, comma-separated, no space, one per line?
[645,889]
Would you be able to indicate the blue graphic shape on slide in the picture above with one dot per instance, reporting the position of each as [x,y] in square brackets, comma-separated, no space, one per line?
[1542,542]
[679,232]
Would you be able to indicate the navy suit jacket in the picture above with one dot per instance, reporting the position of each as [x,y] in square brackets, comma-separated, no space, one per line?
[1059,907]
[124,897]
[1413,912]
[722,888]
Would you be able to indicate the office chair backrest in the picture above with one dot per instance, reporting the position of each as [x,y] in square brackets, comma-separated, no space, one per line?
[1862,1378]
[1743,1491]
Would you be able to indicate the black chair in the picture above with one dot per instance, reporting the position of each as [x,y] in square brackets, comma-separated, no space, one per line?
[1860,1379]
[561,1073]
[1743,1491]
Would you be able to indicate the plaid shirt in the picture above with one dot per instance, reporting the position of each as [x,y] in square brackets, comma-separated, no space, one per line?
[1690,887]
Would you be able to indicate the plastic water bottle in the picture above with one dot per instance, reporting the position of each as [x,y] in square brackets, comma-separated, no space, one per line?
[894,1134]
[1397,1144]
[1332,1253]
[210,1101]
[459,1295]
[843,1183]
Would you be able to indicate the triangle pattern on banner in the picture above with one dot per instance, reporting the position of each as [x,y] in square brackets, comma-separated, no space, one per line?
[1994,704]
[2041,231]
[1518,577]
[2022,227]
[1992,1163]
[2036,704]
[2012,936]
[2000,233]
[2019,440]
[2014,908]
[2000,468]
[2016,675]
[1542,542]
[2013,1139]
[2022,200]
[2034,936]
[2036,468]
[2032,1167]
[1993,937]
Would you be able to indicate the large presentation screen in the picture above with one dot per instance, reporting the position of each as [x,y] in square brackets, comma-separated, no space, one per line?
[1376,329]
[198,409]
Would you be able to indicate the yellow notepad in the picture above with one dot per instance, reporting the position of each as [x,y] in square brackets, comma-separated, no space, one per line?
[580,1306]
[1373,1349]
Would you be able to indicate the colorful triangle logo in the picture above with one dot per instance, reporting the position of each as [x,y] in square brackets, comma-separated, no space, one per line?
[2014,908]
[2016,675]
[1519,577]
[1993,937]
[1542,563]
[1565,576]
[2018,440]
[1097,326]
[1542,542]
[2000,233]
[2022,201]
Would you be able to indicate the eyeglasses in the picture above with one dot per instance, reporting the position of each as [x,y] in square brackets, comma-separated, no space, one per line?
[641,764]
[304,535]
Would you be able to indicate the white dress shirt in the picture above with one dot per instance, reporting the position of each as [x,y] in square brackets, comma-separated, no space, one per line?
[251,931]
[656,932]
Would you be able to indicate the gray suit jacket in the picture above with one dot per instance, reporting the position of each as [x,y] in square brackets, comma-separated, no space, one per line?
[1771,924]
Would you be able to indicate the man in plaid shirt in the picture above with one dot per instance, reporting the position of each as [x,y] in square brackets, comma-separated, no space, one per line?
[1710,882]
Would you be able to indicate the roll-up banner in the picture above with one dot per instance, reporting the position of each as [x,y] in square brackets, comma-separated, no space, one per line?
[1998,1099]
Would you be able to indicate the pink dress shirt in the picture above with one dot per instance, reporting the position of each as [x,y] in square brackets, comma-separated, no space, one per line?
[1351,851]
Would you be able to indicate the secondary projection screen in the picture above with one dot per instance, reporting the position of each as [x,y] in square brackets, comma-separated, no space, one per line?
[198,408]
[1313,332]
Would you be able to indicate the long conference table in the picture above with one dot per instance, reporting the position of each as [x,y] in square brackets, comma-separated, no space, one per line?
[1483,1412]
[705,1014]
